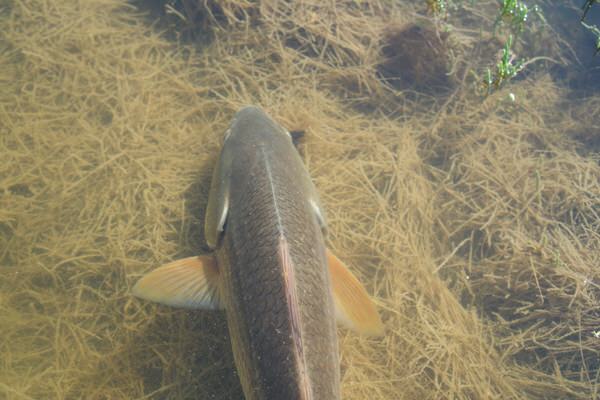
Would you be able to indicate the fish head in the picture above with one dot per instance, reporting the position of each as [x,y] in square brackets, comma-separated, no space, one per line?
[252,125]
[250,133]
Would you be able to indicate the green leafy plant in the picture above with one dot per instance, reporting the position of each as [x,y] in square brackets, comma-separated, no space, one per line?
[514,12]
[516,16]
[507,68]
[586,7]
[442,7]
[594,29]
[437,7]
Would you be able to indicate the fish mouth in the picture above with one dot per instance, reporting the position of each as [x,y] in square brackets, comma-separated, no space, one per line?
[250,118]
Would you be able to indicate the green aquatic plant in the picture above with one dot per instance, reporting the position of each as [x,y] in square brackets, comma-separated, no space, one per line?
[514,12]
[507,68]
[437,7]
[586,7]
[442,7]
[594,29]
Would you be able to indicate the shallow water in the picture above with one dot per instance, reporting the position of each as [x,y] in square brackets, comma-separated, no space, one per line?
[472,220]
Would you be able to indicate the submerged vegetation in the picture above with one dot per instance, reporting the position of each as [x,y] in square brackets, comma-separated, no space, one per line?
[515,13]
[473,221]
[517,16]
[596,32]
[592,28]
[586,7]
[506,69]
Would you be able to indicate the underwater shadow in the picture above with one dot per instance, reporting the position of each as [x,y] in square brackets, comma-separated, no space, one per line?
[196,200]
[216,375]
[195,358]
[198,340]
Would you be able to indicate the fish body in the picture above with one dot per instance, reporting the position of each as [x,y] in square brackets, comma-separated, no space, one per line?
[281,289]
[275,281]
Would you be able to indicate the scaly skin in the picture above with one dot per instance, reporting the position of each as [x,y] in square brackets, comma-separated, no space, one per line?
[274,278]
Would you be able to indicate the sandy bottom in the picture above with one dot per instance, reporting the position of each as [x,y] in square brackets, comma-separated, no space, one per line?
[473,221]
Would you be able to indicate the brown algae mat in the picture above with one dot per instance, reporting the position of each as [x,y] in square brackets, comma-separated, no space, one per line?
[474,222]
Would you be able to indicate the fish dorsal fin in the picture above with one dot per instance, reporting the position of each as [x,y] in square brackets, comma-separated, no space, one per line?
[353,307]
[218,199]
[188,283]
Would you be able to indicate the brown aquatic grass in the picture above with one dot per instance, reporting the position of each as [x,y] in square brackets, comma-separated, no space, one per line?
[474,223]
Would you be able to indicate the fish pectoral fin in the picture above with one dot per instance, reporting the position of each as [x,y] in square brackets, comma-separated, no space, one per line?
[354,308]
[191,282]
[217,208]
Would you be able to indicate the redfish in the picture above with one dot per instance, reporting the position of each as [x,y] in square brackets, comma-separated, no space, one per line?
[281,289]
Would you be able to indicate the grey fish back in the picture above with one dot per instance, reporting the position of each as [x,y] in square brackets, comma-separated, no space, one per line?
[272,258]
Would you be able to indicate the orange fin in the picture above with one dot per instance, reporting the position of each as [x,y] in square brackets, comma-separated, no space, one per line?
[353,307]
[191,282]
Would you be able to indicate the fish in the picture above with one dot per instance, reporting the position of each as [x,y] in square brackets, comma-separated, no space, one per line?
[282,290]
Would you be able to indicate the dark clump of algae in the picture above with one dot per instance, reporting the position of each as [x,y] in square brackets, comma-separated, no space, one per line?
[473,221]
